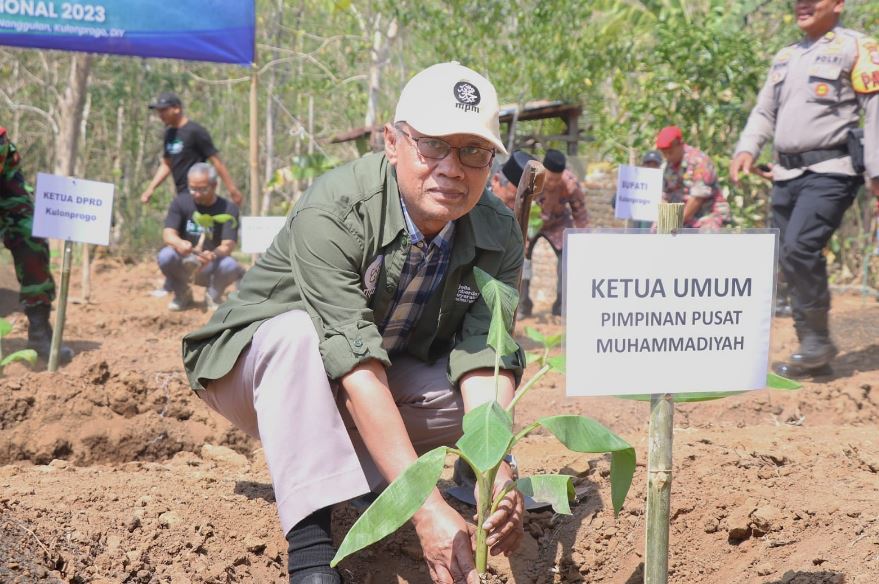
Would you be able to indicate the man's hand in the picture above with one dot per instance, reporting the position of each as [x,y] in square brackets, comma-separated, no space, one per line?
[183,247]
[445,540]
[506,525]
[741,164]
[764,171]
[235,195]
[206,257]
[146,196]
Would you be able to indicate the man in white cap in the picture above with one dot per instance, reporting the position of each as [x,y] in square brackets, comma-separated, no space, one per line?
[375,267]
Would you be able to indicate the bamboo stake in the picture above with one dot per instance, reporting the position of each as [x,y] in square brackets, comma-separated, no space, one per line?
[86,273]
[659,450]
[61,314]
[254,141]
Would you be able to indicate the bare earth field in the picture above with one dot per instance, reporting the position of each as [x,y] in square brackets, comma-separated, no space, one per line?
[112,470]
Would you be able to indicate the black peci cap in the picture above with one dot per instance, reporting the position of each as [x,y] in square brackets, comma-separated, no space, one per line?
[554,161]
[652,156]
[515,166]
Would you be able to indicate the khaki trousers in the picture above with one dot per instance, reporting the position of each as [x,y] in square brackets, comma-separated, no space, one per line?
[278,392]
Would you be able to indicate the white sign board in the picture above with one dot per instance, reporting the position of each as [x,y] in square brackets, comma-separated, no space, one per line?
[257,233]
[73,209]
[667,313]
[639,192]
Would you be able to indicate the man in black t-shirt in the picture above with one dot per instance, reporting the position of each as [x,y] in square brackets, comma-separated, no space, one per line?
[191,248]
[185,143]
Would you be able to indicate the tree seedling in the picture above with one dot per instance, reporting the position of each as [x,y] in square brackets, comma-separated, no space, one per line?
[207,224]
[488,436]
[28,355]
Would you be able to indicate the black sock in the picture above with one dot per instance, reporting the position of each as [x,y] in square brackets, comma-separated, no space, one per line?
[310,547]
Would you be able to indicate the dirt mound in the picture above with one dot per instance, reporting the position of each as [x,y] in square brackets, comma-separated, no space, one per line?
[113,470]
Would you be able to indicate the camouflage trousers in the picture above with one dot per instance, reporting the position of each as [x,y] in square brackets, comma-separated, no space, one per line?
[30,254]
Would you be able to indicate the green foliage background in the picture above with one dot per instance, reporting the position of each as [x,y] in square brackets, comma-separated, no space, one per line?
[635,66]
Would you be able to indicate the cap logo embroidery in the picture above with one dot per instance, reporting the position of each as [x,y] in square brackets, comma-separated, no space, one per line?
[370,278]
[467,96]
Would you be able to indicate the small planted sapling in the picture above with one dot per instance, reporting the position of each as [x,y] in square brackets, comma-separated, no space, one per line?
[28,355]
[488,436]
[207,224]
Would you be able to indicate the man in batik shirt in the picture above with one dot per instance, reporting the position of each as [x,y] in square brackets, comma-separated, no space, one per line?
[690,178]
[562,205]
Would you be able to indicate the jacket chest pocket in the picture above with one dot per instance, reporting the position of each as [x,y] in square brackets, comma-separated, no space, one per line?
[825,84]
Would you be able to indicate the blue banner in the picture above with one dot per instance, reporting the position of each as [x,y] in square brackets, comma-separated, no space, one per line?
[196,30]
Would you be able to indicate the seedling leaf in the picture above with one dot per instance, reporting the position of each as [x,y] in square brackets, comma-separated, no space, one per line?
[5,327]
[774,381]
[203,219]
[547,342]
[557,490]
[395,505]
[581,434]
[501,300]
[535,335]
[488,432]
[622,469]
[557,363]
[28,355]
[687,397]
[225,218]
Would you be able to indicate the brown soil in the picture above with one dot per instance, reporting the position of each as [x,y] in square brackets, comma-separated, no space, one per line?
[113,471]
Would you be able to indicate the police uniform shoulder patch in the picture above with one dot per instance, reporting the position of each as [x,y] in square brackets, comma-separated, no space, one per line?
[865,73]
[783,56]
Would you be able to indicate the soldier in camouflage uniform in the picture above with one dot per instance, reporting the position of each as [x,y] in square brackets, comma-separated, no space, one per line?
[30,254]
[812,100]
[562,205]
[691,178]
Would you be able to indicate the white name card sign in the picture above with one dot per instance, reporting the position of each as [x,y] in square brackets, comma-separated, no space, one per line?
[257,233]
[73,209]
[639,192]
[667,313]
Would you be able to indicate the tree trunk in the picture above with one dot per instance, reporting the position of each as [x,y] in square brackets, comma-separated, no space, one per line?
[378,58]
[70,109]
[119,178]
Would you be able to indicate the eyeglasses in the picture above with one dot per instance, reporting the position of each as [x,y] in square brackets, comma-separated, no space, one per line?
[202,190]
[436,149]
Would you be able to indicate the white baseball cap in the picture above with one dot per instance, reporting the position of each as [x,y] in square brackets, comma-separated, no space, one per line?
[449,98]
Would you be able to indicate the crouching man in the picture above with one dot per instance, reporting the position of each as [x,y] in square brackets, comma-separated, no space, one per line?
[194,248]
[358,339]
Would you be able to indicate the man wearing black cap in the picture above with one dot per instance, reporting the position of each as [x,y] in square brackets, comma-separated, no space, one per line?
[562,205]
[185,144]
[505,182]
[652,159]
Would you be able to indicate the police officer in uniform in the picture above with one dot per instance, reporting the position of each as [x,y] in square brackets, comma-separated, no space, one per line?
[811,101]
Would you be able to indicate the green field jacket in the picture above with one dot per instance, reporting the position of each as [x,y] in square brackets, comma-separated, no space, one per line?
[339,258]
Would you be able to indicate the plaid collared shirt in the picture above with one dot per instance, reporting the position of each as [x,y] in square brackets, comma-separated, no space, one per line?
[421,275]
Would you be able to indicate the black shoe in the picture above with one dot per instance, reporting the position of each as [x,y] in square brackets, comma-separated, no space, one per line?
[812,359]
[557,308]
[783,310]
[39,333]
[815,351]
[794,371]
